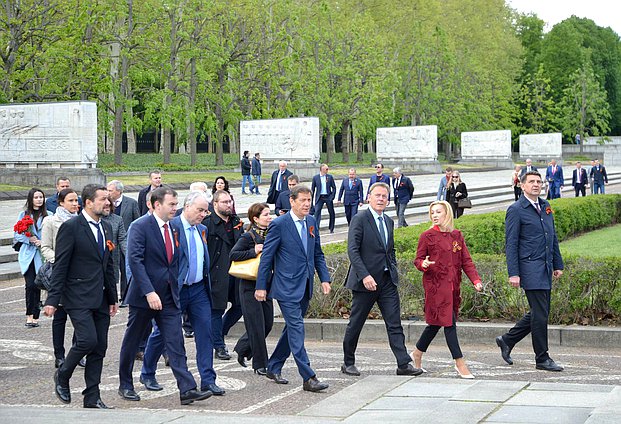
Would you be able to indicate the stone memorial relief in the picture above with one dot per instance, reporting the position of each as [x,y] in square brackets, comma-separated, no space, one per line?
[541,145]
[49,134]
[293,139]
[486,144]
[407,143]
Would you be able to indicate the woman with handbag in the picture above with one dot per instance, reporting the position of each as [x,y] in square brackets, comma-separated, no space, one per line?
[258,315]
[67,208]
[456,191]
[515,182]
[29,257]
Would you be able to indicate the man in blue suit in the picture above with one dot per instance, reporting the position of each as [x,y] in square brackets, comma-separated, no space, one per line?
[283,203]
[533,259]
[153,257]
[352,187]
[323,189]
[292,250]
[599,176]
[379,177]
[194,291]
[404,190]
[554,177]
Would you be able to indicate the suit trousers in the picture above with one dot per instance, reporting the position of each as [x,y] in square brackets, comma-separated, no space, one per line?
[123,283]
[387,298]
[292,339]
[258,320]
[400,209]
[580,188]
[59,324]
[195,303]
[91,340]
[555,190]
[535,322]
[350,211]
[169,322]
[450,334]
[325,200]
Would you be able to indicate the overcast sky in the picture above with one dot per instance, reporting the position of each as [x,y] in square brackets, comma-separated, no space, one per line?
[604,13]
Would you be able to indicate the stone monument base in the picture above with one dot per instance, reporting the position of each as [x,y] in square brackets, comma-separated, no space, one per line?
[46,177]
[416,166]
[502,163]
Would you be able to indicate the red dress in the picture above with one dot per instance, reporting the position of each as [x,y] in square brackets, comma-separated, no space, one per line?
[442,280]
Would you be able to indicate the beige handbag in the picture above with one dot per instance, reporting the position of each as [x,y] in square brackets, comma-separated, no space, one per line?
[247,269]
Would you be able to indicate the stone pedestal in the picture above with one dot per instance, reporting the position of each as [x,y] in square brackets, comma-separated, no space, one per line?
[46,177]
[487,148]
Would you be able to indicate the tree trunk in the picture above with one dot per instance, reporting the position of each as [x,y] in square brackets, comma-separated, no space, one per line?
[345,136]
[191,143]
[329,147]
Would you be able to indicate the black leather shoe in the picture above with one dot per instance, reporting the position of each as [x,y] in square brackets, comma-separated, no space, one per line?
[82,362]
[549,365]
[222,354]
[314,385]
[62,392]
[123,305]
[97,405]
[194,395]
[241,360]
[350,370]
[188,334]
[277,378]
[129,394]
[59,362]
[505,350]
[214,389]
[261,371]
[409,370]
[151,384]
[166,360]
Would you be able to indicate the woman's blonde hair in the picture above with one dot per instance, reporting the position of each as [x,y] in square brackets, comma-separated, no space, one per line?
[456,172]
[448,221]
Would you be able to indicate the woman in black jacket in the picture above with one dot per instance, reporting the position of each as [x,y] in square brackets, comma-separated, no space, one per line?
[258,316]
[456,191]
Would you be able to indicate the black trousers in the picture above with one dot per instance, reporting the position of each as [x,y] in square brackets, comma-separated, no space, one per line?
[258,320]
[580,188]
[91,333]
[450,334]
[324,199]
[58,332]
[124,284]
[535,322]
[517,192]
[33,294]
[387,298]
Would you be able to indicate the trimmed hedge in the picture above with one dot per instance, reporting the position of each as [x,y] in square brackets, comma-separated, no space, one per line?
[589,292]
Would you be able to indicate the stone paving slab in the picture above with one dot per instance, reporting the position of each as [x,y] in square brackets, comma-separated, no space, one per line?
[539,414]
[491,391]
[559,398]
[568,387]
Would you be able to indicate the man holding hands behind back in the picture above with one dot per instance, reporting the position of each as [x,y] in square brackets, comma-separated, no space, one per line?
[533,258]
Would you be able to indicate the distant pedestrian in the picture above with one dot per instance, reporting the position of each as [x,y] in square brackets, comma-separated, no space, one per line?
[62,183]
[324,192]
[600,178]
[444,183]
[515,182]
[457,190]
[221,183]
[278,182]
[528,167]
[246,167]
[555,179]
[354,192]
[378,177]
[579,180]
[155,181]
[283,203]
[256,172]
[404,191]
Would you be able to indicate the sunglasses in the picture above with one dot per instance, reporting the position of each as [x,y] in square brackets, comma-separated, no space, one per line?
[455,177]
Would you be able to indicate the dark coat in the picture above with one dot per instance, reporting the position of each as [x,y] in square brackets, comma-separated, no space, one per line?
[452,191]
[283,202]
[245,166]
[118,236]
[256,166]
[128,210]
[219,246]
[405,191]
[583,177]
[598,173]
[381,179]
[272,194]
[142,200]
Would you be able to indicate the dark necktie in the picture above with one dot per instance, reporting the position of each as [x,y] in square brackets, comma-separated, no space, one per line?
[538,208]
[100,238]
[381,230]
[304,235]
[168,243]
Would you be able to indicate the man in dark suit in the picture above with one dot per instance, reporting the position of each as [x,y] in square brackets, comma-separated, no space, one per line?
[352,188]
[533,259]
[83,282]
[600,178]
[528,167]
[193,286]
[324,192]
[283,204]
[555,179]
[155,181]
[579,180]
[278,183]
[379,177]
[62,183]
[373,278]
[153,258]
[403,190]
[292,250]
[126,208]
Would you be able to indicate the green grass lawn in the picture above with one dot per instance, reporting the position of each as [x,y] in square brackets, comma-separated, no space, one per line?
[600,243]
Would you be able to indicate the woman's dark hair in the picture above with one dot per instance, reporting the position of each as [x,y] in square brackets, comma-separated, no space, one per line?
[63,193]
[226,185]
[29,207]
[254,211]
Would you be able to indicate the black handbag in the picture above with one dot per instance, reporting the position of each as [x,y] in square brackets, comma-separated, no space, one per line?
[43,280]
[464,203]
[16,244]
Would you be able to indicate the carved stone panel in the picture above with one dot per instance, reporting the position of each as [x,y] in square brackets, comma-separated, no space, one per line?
[486,145]
[541,145]
[407,143]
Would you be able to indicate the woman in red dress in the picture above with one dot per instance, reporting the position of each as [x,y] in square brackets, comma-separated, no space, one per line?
[441,256]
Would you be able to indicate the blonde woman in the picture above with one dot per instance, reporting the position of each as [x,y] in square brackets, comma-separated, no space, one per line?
[515,182]
[441,256]
[456,191]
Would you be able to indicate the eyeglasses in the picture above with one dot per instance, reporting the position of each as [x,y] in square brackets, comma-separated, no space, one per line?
[455,177]
[225,201]
[377,166]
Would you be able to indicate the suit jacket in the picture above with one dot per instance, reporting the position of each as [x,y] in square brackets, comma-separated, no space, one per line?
[531,244]
[330,187]
[382,179]
[557,177]
[129,211]
[366,251]
[283,202]
[146,258]
[184,262]
[524,171]
[293,268]
[405,190]
[598,173]
[272,194]
[353,195]
[142,200]
[583,177]
[82,278]
[256,166]
[118,236]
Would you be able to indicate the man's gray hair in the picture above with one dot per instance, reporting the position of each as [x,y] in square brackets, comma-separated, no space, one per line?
[397,170]
[198,186]
[117,185]
[191,198]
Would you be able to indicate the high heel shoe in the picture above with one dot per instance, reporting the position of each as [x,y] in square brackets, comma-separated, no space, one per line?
[421,361]
[464,376]
[261,371]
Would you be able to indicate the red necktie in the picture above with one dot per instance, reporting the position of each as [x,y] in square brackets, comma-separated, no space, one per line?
[168,243]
